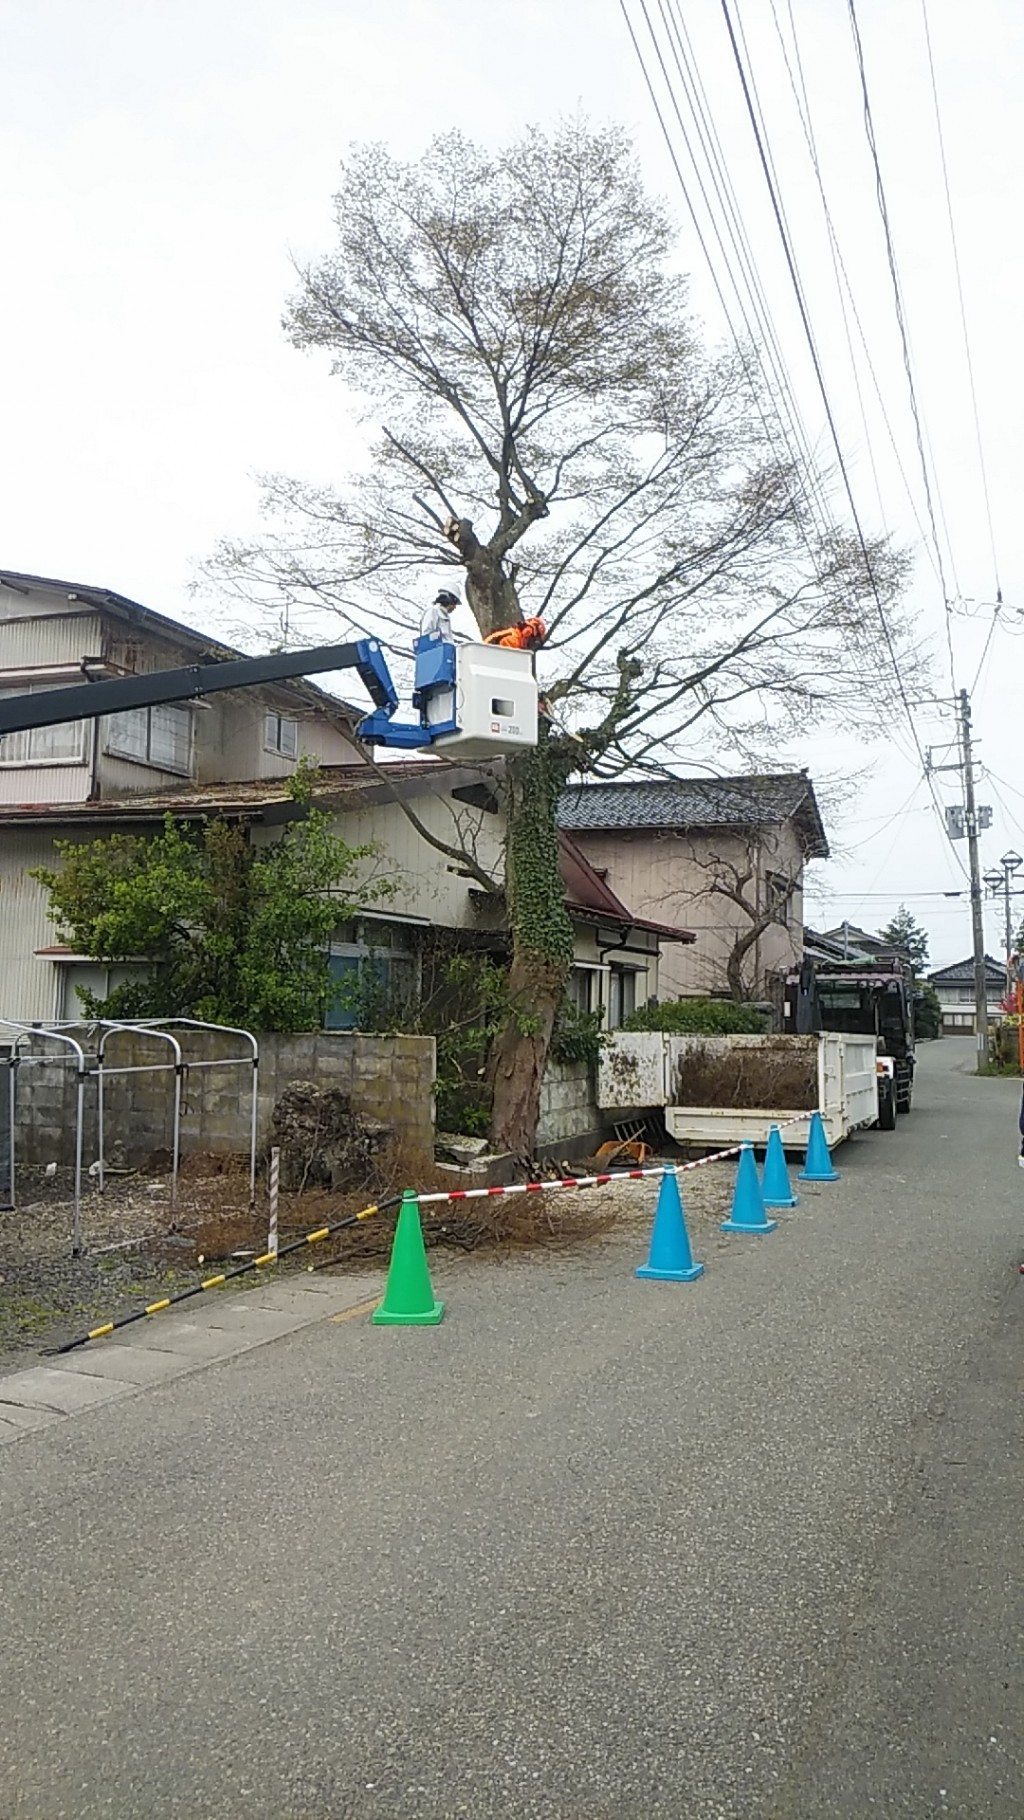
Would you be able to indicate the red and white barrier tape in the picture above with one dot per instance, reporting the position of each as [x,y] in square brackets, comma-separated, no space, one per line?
[594,1181]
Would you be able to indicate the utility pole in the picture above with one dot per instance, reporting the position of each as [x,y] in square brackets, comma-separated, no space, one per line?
[977,911]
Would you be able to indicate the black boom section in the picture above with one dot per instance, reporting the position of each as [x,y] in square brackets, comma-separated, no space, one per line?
[89,700]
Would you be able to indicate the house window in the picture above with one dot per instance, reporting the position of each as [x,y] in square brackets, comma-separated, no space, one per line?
[965,995]
[64,744]
[281,734]
[160,736]
[375,977]
[582,989]
[778,896]
[621,995]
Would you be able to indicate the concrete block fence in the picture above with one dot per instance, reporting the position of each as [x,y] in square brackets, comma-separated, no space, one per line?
[388,1078]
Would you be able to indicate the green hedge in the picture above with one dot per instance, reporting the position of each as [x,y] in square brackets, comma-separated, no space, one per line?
[706,1016]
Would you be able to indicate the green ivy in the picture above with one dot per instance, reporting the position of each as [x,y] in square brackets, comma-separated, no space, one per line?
[539,920]
[578,1035]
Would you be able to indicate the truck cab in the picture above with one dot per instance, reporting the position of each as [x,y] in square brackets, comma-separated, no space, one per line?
[861,998]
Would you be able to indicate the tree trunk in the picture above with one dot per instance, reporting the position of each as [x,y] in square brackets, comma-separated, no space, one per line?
[734,965]
[519,1056]
[542,948]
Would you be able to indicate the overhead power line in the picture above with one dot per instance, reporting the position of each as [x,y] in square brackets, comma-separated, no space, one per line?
[830,418]
[960,296]
[869,127]
[822,387]
[759,343]
[803,107]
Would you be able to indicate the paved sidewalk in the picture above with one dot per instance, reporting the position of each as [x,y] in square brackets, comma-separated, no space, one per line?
[221,1326]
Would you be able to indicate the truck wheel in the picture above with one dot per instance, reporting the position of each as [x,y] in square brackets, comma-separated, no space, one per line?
[886,1105]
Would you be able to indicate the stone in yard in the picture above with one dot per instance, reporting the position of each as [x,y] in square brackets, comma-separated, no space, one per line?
[450,1147]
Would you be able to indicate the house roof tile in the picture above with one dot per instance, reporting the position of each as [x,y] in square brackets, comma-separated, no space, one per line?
[962,972]
[696,802]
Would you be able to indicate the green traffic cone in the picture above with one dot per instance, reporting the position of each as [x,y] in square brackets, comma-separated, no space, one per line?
[408,1298]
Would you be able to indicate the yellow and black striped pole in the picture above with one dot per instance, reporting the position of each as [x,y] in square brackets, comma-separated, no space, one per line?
[227,1276]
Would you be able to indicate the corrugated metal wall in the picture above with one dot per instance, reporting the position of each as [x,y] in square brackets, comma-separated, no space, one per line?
[27,981]
[52,638]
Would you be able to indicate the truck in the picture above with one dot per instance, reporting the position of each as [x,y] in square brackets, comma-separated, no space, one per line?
[717,1091]
[861,998]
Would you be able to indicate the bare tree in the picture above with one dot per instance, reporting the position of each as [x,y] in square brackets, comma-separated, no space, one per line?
[551,427]
[760,881]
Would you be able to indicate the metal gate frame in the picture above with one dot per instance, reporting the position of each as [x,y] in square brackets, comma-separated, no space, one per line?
[24,1034]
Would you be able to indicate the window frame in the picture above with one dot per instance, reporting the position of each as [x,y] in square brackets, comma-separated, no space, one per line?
[274,745]
[361,952]
[110,750]
[780,890]
[81,728]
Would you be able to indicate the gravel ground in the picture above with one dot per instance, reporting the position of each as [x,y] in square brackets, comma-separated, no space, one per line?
[135,1251]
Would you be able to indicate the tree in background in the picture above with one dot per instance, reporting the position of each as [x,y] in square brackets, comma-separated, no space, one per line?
[232,934]
[553,433]
[906,934]
[927,1012]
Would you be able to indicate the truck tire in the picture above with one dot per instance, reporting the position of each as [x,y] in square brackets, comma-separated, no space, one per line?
[886,1104]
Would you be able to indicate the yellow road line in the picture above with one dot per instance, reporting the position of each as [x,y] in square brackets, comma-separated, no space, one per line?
[349,1314]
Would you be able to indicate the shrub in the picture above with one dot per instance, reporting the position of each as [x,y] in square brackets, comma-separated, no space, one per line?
[705,1016]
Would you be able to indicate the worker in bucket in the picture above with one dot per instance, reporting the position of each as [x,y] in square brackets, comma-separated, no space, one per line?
[437,620]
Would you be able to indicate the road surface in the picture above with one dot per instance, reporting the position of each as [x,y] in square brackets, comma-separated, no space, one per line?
[594,1549]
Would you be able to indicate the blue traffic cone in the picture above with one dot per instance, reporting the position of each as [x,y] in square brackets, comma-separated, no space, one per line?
[818,1167]
[748,1214]
[670,1260]
[776,1189]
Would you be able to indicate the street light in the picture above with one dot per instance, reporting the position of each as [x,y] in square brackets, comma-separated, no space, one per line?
[999,883]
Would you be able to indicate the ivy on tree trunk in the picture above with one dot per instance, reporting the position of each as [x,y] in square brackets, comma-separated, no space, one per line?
[542,945]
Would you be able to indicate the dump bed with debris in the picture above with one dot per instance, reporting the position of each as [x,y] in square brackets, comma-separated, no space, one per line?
[722,1090]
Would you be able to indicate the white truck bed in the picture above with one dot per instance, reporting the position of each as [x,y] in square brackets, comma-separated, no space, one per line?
[638,1069]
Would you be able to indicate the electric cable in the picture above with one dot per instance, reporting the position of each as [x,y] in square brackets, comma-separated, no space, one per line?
[869,127]
[960,297]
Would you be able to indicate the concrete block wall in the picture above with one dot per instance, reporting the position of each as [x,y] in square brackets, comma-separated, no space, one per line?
[388,1078]
[568,1106]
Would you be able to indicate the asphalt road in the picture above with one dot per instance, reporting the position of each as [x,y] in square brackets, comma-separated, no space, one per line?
[594,1549]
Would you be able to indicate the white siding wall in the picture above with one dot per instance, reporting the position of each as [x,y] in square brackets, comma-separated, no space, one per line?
[426,883]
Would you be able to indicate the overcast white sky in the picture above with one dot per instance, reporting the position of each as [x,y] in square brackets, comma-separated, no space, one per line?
[163,160]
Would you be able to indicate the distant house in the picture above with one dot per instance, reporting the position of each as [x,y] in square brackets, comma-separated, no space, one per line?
[955,987]
[849,943]
[724,856]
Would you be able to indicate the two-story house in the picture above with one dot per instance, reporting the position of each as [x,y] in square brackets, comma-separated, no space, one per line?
[723,855]
[955,987]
